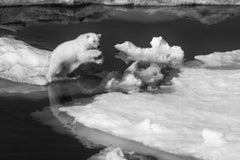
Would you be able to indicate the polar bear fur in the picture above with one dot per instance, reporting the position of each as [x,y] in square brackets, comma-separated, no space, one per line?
[69,55]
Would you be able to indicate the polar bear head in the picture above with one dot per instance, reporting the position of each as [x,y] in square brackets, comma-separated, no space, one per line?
[90,40]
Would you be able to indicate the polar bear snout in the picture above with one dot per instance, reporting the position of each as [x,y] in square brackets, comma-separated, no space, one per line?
[95,45]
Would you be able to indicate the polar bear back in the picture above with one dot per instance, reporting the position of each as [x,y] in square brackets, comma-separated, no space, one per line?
[67,51]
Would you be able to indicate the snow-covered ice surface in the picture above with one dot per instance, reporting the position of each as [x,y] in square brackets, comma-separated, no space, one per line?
[229,59]
[21,62]
[198,115]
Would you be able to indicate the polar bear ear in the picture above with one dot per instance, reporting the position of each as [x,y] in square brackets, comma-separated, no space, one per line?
[99,35]
[88,36]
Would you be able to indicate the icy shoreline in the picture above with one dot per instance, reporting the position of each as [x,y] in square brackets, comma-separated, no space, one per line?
[119,2]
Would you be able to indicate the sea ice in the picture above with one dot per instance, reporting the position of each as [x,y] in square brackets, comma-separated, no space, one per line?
[150,75]
[21,62]
[199,117]
[127,84]
[230,59]
[160,53]
[146,69]
[109,153]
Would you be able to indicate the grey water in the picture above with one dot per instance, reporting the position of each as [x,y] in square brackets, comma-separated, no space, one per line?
[27,113]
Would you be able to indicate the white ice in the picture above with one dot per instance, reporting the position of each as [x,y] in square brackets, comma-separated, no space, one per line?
[153,59]
[127,84]
[199,115]
[110,153]
[150,75]
[160,53]
[21,62]
[229,59]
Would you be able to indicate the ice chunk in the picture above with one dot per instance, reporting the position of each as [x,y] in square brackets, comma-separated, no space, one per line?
[160,53]
[127,84]
[148,64]
[135,77]
[150,75]
[109,153]
[229,59]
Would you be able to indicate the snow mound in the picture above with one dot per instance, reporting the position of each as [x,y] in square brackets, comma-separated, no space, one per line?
[160,53]
[199,117]
[229,59]
[21,62]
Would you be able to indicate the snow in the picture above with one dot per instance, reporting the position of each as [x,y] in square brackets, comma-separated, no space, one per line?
[21,62]
[159,53]
[109,153]
[230,59]
[198,115]
[127,84]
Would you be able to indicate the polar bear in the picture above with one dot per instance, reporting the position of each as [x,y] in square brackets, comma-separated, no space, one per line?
[69,55]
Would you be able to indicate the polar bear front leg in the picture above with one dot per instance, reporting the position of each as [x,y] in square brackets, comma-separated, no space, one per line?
[74,66]
[54,69]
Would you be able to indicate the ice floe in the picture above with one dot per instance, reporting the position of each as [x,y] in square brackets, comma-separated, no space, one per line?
[199,117]
[230,59]
[21,62]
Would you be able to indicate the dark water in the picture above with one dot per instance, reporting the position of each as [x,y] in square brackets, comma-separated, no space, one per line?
[24,137]
[22,134]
